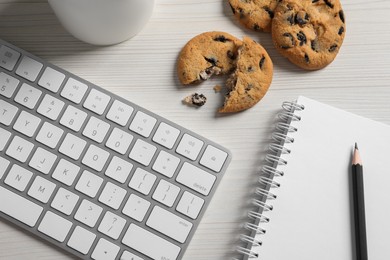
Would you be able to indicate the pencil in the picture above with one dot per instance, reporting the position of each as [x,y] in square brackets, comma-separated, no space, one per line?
[358,206]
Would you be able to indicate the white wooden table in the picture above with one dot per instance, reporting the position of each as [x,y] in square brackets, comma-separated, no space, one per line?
[143,70]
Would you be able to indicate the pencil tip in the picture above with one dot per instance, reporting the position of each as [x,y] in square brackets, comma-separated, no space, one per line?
[356,146]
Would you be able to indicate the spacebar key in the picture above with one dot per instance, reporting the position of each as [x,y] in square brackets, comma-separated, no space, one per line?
[19,208]
[150,244]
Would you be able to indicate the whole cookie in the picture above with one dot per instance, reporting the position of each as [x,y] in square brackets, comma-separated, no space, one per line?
[309,32]
[251,79]
[254,14]
[207,54]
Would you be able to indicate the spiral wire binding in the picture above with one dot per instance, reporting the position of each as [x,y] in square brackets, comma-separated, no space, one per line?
[266,179]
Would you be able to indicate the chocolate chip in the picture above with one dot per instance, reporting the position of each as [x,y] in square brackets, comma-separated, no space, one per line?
[234,11]
[269,11]
[289,35]
[212,60]
[256,27]
[221,38]
[328,3]
[242,13]
[250,69]
[301,18]
[261,62]
[301,38]
[198,99]
[314,45]
[314,1]
[249,87]
[307,58]
[341,30]
[231,55]
[332,48]
[341,15]
[291,19]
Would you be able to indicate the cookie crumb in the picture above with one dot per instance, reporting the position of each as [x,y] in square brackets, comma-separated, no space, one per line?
[195,100]
[217,88]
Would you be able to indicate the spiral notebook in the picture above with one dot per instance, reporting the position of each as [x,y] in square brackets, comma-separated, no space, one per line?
[302,207]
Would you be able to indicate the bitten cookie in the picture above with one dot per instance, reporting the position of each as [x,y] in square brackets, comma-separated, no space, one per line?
[254,14]
[207,54]
[251,79]
[309,32]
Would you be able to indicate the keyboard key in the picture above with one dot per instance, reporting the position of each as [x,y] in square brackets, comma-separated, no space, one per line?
[95,158]
[72,146]
[119,169]
[7,112]
[49,135]
[97,101]
[166,193]
[120,113]
[89,184]
[8,57]
[196,178]
[142,152]
[142,124]
[213,158]
[55,226]
[166,164]
[51,79]
[41,189]
[27,124]
[189,147]
[29,68]
[119,141]
[190,205]
[19,149]
[142,181]
[28,96]
[66,172]
[96,129]
[73,118]
[169,224]
[5,135]
[112,225]
[166,135]
[88,213]
[3,166]
[81,240]
[18,177]
[42,160]
[141,240]
[112,195]
[105,250]
[64,201]
[8,85]
[129,256]
[74,90]
[16,207]
[50,107]
[136,207]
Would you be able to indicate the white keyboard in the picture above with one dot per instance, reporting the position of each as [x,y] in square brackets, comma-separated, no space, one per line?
[94,174]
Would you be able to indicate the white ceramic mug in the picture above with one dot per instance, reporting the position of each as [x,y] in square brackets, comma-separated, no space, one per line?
[103,22]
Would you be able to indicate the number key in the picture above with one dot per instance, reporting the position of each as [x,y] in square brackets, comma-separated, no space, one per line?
[73,118]
[96,129]
[50,107]
[28,96]
[8,85]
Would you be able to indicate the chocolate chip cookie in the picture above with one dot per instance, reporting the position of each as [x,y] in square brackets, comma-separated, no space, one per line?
[309,32]
[254,14]
[207,54]
[251,79]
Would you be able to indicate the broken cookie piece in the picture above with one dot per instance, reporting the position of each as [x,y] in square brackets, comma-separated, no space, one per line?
[195,100]
[251,79]
[207,54]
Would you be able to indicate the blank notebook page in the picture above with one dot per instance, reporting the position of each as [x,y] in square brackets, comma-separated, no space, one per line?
[312,215]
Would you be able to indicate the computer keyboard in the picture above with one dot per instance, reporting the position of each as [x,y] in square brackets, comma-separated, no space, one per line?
[93,173]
